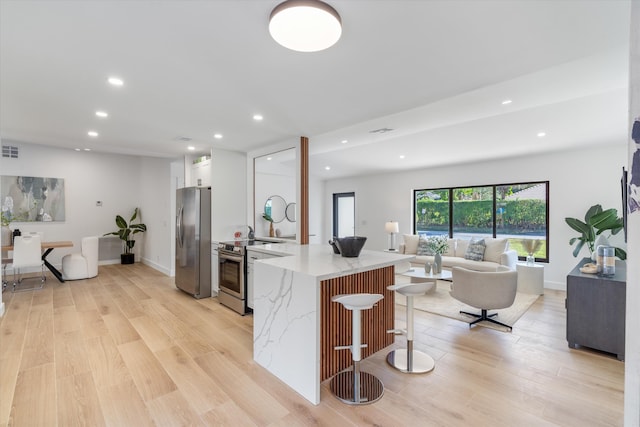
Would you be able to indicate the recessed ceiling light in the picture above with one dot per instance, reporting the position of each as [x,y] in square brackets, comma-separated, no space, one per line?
[92,133]
[506,102]
[102,114]
[269,158]
[257,117]
[402,156]
[115,81]
[305,25]
[217,135]
[327,168]
[541,134]
[77,149]
[191,148]
[344,141]
[87,149]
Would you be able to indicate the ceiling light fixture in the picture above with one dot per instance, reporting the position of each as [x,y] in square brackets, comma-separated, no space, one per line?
[92,133]
[191,148]
[402,156]
[541,134]
[257,117]
[87,149]
[506,102]
[115,81]
[327,168]
[344,141]
[217,135]
[305,25]
[102,114]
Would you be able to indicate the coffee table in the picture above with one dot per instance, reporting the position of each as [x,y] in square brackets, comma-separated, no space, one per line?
[418,275]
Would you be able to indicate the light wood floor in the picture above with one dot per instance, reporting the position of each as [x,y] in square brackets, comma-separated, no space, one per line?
[128,349]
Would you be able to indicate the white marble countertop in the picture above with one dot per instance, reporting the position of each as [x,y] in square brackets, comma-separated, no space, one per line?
[320,262]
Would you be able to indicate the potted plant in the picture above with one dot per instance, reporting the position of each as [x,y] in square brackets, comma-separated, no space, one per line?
[596,222]
[125,233]
[438,245]
[268,218]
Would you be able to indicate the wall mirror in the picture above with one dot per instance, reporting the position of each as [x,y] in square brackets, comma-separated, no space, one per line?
[274,174]
[276,207]
[290,212]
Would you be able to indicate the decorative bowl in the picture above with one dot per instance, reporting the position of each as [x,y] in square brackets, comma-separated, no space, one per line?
[351,246]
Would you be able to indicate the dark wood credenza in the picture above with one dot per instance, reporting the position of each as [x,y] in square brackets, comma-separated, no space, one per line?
[596,309]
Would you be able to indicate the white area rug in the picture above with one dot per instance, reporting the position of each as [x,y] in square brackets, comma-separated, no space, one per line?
[440,302]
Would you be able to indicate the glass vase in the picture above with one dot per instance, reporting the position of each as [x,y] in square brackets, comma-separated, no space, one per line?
[531,260]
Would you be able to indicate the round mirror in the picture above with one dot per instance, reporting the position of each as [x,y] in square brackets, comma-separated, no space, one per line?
[291,212]
[275,207]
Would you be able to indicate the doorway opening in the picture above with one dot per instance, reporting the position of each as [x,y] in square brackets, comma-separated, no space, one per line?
[344,214]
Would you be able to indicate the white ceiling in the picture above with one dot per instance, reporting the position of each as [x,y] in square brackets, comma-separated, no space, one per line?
[434,71]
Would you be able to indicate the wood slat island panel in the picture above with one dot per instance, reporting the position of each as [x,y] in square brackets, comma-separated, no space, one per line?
[336,321]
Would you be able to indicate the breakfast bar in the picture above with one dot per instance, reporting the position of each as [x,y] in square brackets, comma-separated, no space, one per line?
[296,326]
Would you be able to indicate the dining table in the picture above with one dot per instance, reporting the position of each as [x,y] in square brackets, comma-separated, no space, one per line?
[47,248]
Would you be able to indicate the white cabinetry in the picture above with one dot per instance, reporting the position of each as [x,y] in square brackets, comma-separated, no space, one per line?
[253,255]
[201,174]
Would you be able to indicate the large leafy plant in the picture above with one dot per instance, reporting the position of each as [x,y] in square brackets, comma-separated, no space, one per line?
[127,230]
[596,221]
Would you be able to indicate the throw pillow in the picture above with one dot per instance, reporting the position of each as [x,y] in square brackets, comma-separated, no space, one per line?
[494,249]
[475,251]
[461,247]
[410,243]
[423,246]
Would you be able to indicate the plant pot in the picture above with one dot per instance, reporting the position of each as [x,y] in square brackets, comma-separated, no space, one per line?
[127,258]
[7,236]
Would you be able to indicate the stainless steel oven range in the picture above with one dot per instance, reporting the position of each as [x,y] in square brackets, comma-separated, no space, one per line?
[232,271]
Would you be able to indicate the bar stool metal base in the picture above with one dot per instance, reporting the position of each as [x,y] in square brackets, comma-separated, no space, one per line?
[371,388]
[419,363]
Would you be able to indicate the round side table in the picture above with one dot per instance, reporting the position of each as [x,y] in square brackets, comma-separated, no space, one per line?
[530,278]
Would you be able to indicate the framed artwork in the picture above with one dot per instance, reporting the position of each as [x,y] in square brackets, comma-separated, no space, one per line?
[30,198]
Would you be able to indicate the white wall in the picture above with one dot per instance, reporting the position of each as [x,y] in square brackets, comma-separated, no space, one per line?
[577,180]
[121,183]
[155,204]
[632,341]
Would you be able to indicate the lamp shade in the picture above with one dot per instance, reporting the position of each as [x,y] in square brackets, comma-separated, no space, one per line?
[391,227]
[305,25]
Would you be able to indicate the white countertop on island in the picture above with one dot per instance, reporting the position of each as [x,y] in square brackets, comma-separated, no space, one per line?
[320,262]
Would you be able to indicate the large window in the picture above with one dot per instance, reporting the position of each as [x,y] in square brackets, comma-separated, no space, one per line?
[519,212]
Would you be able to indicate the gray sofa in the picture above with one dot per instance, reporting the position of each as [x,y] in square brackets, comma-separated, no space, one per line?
[497,253]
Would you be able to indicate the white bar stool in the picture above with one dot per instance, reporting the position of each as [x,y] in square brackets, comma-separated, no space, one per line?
[408,360]
[355,387]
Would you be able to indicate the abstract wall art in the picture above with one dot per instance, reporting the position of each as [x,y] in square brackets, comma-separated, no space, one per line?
[30,198]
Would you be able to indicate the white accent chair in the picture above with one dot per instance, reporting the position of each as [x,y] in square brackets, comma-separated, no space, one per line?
[83,265]
[27,252]
[484,290]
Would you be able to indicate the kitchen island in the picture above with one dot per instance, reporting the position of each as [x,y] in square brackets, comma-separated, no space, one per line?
[296,326]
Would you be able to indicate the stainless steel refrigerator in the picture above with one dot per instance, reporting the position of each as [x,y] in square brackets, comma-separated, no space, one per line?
[193,241]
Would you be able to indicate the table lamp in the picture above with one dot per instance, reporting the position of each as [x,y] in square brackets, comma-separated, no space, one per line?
[391,227]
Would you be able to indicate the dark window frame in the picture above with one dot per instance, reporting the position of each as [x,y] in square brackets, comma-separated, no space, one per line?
[495,201]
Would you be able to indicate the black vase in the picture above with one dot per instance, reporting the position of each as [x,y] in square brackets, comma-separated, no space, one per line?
[127,258]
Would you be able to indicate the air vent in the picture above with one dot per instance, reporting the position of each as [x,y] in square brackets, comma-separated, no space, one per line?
[381,130]
[10,151]
[183,138]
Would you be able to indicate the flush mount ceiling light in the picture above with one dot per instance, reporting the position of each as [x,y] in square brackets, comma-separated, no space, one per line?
[305,25]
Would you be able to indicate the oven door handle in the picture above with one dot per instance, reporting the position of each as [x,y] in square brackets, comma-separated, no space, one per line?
[222,257]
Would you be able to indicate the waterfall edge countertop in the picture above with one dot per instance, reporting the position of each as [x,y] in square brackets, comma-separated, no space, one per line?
[320,262]
[291,292]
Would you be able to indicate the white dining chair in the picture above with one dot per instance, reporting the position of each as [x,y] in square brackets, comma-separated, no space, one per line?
[27,253]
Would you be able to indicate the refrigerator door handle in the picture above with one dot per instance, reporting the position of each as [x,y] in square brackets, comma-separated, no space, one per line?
[179,226]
